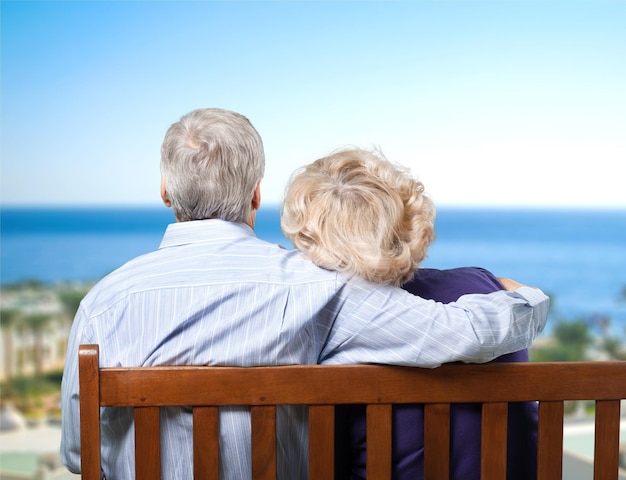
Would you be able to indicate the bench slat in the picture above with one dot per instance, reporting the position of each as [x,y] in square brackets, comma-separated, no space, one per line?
[437,441]
[606,458]
[206,443]
[493,441]
[148,443]
[322,442]
[378,450]
[263,421]
[550,441]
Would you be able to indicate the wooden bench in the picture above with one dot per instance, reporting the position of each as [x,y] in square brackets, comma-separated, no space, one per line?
[322,387]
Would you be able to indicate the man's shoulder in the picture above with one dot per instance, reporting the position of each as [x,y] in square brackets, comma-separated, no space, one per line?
[253,262]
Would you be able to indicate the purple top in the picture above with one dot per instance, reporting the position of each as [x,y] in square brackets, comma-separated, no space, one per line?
[465,419]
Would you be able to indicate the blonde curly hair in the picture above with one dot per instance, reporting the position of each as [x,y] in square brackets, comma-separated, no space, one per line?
[355,212]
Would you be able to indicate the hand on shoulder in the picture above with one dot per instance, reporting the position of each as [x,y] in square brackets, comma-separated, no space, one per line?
[509,284]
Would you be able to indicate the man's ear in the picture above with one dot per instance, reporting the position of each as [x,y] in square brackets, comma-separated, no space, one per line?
[254,204]
[164,196]
[256,197]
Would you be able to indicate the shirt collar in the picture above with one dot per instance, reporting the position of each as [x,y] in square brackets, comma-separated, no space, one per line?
[197,231]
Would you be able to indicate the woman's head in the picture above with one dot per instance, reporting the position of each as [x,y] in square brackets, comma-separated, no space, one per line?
[356,212]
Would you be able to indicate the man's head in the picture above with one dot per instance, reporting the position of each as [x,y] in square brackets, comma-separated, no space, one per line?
[356,212]
[212,161]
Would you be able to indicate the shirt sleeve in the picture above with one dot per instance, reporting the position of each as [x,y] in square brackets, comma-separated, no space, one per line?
[387,325]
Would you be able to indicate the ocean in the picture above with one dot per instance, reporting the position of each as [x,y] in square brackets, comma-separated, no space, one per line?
[577,256]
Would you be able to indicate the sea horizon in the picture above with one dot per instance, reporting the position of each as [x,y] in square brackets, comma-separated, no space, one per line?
[576,255]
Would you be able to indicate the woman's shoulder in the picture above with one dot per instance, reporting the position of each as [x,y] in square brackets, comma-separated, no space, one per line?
[447,285]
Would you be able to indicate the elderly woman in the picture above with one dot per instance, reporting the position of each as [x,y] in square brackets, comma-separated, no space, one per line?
[357,213]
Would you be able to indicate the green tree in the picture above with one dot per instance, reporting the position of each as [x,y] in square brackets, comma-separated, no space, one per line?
[614,348]
[575,336]
[571,341]
[70,299]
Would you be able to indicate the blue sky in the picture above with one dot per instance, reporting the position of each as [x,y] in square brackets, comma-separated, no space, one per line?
[489,103]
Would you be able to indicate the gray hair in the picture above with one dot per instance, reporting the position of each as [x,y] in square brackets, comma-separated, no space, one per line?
[211,163]
[357,213]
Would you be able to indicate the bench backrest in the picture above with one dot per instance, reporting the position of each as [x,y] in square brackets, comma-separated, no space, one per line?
[321,387]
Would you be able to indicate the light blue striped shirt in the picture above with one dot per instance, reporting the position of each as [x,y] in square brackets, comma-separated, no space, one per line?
[215,294]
